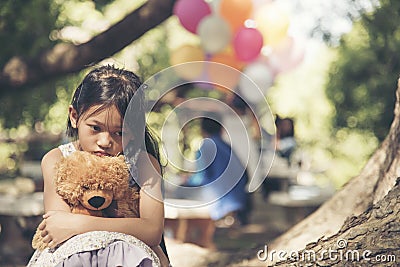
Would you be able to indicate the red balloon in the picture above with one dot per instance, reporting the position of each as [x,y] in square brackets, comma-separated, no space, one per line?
[191,12]
[247,44]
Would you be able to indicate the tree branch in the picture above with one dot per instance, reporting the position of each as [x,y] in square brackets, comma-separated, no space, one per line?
[67,58]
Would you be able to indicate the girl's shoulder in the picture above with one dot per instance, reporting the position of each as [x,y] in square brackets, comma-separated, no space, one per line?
[145,159]
[51,158]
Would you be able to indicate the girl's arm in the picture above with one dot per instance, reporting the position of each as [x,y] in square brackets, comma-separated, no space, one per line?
[148,228]
[52,200]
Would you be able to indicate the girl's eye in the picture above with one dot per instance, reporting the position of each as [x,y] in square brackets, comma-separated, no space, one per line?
[96,128]
[119,133]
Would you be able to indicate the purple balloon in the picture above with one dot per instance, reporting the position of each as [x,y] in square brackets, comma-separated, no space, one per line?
[191,12]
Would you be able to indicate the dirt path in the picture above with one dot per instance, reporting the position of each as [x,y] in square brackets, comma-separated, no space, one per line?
[266,223]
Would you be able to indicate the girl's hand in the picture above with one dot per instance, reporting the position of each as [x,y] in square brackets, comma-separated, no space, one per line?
[58,226]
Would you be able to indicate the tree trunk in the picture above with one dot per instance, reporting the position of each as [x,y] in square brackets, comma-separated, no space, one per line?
[363,215]
[369,239]
[65,58]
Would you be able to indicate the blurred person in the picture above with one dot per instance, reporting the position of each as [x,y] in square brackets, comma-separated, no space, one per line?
[285,146]
[246,144]
[217,160]
[285,140]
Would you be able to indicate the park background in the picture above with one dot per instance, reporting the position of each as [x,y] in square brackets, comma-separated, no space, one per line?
[341,94]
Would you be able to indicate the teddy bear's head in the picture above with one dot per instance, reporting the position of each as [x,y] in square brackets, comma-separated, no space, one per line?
[91,181]
[94,185]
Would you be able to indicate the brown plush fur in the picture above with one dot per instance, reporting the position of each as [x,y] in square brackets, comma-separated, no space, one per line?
[83,177]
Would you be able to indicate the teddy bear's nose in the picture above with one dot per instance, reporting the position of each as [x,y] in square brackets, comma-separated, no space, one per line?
[96,202]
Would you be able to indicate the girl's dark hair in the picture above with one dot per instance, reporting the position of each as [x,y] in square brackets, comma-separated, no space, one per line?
[110,86]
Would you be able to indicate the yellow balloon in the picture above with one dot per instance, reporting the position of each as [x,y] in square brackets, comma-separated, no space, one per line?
[272,22]
[186,54]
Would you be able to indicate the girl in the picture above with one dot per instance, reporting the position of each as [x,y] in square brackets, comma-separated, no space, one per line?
[95,122]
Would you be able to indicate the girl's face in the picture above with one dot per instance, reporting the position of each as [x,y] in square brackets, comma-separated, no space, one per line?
[99,132]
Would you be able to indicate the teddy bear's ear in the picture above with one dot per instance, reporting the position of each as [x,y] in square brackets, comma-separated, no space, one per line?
[67,174]
[69,194]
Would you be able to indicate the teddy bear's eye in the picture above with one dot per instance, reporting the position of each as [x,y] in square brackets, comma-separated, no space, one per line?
[85,187]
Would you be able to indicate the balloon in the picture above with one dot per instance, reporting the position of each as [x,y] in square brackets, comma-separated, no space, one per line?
[214,4]
[287,55]
[272,22]
[191,12]
[223,75]
[228,57]
[236,12]
[247,44]
[227,72]
[259,3]
[184,54]
[214,33]
[258,79]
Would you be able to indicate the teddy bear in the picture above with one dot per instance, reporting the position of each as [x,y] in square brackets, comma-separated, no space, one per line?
[96,186]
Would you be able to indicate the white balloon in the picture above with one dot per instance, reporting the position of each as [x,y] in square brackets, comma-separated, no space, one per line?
[214,4]
[215,33]
[258,79]
[287,55]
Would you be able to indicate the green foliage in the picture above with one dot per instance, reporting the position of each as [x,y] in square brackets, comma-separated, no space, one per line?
[41,111]
[25,30]
[23,107]
[154,55]
[101,4]
[363,80]
[25,27]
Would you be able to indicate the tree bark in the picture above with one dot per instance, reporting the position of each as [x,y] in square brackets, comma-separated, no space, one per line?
[65,58]
[370,239]
[363,213]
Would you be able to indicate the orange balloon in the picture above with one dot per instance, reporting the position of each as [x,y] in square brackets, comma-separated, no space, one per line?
[193,55]
[223,75]
[236,12]
[228,58]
